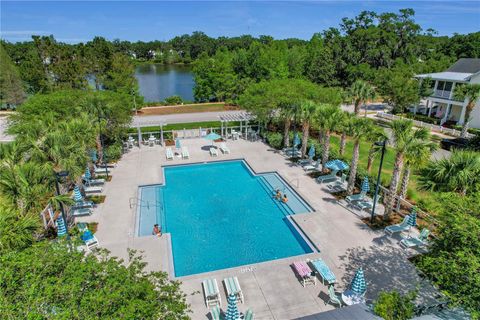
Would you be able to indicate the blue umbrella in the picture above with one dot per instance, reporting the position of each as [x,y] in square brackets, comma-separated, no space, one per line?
[88,175]
[177,143]
[336,165]
[358,285]
[232,310]
[77,195]
[365,185]
[212,136]
[296,140]
[412,217]
[311,152]
[61,229]
[93,155]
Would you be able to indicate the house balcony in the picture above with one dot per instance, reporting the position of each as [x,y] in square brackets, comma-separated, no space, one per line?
[442,94]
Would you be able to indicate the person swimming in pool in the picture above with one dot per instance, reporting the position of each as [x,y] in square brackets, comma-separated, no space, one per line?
[278,194]
[285,199]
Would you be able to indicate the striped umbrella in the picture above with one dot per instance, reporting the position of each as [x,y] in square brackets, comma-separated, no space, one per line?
[232,310]
[178,145]
[77,195]
[61,229]
[365,185]
[311,152]
[296,140]
[88,175]
[358,285]
[412,217]
[93,155]
[336,165]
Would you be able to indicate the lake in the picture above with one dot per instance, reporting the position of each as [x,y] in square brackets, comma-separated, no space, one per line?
[158,81]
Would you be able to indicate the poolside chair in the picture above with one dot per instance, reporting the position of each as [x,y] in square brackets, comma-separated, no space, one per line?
[216,313]
[363,204]
[108,165]
[233,287]
[332,295]
[169,153]
[339,185]
[305,273]
[91,182]
[211,292]
[213,152]
[98,170]
[412,242]
[324,271]
[249,315]
[89,239]
[304,162]
[185,153]
[224,148]
[78,212]
[400,227]
[329,177]
[356,197]
[92,189]
[312,167]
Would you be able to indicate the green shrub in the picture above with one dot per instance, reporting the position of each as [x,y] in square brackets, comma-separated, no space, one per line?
[393,306]
[470,130]
[423,118]
[275,139]
[114,152]
[173,100]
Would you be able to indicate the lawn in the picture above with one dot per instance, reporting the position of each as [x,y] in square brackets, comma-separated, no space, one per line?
[180,126]
[187,108]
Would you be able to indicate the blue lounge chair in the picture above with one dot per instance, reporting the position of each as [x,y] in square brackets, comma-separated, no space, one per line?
[328,177]
[216,313]
[169,153]
[313,166]
[233,287]
[363,204]
[333,298]
[211,292]
[412,242]
[78,212]
[249,315]
[356,197]
[400,227]
[324,271]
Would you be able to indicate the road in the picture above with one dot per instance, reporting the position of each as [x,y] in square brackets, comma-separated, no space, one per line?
[153,120]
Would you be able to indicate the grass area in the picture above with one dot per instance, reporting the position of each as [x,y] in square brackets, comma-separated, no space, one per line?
[187,108]
[180,126]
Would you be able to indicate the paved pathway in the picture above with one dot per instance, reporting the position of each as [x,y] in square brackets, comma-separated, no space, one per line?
[270,288]
[3,127]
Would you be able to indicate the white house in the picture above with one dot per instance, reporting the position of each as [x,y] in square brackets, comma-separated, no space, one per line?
[442,103]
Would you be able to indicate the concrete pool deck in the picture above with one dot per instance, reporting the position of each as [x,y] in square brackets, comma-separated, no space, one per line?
[270,288]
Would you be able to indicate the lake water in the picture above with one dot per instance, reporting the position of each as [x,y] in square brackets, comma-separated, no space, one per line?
[158,81]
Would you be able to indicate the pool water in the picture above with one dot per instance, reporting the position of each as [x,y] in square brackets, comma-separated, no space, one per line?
[221,215]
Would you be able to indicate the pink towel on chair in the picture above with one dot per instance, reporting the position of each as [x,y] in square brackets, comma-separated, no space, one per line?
[302,268]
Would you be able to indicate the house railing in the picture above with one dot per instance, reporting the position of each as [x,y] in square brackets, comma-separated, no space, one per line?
[442,94]
[421,124]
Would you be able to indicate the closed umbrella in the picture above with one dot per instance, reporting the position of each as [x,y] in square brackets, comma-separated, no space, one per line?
[412,217]
[232,309]
[365,185]
[177,143]
[88,175]
[358,285]
[296,140]
[311,152]
[93,155]
[77,195]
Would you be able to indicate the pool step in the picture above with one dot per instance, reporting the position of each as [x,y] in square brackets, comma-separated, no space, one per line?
[271,192]
[295,203]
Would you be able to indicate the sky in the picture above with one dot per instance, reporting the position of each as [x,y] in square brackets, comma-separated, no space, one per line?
[73,22]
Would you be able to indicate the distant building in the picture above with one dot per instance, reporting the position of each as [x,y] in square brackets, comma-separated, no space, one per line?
[442,103]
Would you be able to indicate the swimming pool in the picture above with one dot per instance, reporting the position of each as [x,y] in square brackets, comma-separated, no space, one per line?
[221,215]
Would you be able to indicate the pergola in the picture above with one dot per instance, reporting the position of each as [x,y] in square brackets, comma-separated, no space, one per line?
[242,117]
[159,123]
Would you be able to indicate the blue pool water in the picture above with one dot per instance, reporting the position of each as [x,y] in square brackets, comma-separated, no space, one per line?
[220,215]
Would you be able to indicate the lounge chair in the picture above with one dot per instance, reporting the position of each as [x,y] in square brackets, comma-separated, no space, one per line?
[108,165]
[333,298]
[339,185]
[324,271]
[363,204]
[312,167]
[233,287]
[92,182]
[328,177]
[400,227]
[213,152]
[211,292]
[215,313]
[90,240]
[289,152]
[224,148]
[304,162]
[98,170]
[77,212]
[305,273]
[249,315]
[185,153]
[356,197]
[92,189]
[412,242]
[169,153]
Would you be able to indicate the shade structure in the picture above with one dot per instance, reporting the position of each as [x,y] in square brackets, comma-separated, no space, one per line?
[77,195]
[358,285]
[232,309]
[365,185]
[93,155]
[412,217]
[336,165]
[88,175]
[178,145]
[296,140]
[311,152]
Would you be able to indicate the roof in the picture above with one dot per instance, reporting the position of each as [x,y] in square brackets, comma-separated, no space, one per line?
[355,312]
[466,65]
[447,75]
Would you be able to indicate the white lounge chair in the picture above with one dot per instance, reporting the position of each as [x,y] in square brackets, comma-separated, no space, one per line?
[185,154]
[329,177]
[224,148]
[169,153]
[92,243]
[92,189]
[400,227]
[313,166]
[92,182]
[78,212]
[233,287]
[98,170]
[213,152]
[211,292]
[412,242]
[356,197]
[363,204]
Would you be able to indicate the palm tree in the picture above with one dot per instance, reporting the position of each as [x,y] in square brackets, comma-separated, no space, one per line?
[287,114]
[343,129]
[328,119]
[417,155]
[359,92]
[459,173]
[306,112]
[358,128]
[471,92]
[16,231]
[376,135]
[404,136]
